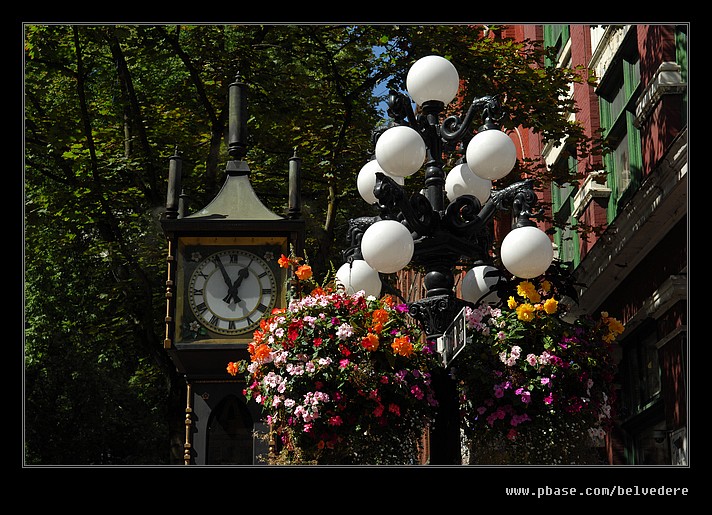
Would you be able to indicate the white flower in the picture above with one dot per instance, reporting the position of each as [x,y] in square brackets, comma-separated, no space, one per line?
[344,331]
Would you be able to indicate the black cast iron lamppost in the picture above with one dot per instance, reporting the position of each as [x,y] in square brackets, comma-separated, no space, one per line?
[447,225]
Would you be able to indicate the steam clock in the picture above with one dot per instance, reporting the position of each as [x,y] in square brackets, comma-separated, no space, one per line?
[223,278]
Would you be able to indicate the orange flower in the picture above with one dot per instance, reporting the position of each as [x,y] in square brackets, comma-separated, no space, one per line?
[232,368]
[380,316]
[304,272]
[402,346]
[261,352]
[388,301]
[283,261]
[370,342]
[257,337]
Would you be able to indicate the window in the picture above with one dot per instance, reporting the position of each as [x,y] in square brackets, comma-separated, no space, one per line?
[556,36]
[562,197]
[641,373]
[618,92]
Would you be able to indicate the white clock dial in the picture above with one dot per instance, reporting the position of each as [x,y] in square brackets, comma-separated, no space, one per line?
[231,290]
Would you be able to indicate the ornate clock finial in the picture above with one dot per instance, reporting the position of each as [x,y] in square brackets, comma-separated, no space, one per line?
[295,186]
[237,129]
[174,185]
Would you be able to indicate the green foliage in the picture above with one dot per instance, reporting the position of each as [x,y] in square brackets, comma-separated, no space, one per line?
[105,107]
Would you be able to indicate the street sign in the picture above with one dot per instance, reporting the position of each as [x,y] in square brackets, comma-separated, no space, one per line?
[451,343]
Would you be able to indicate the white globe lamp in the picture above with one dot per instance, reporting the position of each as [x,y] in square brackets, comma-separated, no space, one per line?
[491,154]
[432,78]
[476,286]
[387,246]
[527,252]
[463,181]
[400,151]
[357,276]
[366,180]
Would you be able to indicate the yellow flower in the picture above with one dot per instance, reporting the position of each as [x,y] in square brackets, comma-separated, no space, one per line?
[525,312]
[550,306]
[615,326]
[511,303]
[546,286]
[527,290]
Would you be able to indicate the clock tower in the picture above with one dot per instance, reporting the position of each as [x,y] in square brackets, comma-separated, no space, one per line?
[223,278]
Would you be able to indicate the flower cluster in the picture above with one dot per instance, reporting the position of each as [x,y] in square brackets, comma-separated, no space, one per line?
[341,379]
[533,382]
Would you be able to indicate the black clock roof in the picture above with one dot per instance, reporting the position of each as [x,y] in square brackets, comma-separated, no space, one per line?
[236,200]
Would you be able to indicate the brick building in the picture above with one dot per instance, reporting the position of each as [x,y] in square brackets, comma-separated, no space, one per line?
[637,268]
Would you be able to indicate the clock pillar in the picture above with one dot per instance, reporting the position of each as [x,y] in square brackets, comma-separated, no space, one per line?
[222,279]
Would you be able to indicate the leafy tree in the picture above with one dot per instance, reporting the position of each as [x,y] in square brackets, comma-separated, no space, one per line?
[105,107]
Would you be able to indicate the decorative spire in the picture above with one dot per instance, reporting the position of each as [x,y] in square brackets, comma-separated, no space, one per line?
[237,130]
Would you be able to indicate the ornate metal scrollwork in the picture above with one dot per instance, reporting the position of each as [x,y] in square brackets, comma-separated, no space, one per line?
[520,199]
[453,129]
[416,211]
[357,226]
[436,313]
[462,215]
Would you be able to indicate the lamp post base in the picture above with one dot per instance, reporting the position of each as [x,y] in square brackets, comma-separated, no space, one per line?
[445,446]
[435,314]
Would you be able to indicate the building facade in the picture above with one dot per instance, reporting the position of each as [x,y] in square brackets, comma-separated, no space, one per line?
[636,269]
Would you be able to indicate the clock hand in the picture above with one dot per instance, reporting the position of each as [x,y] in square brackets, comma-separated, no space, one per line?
[224,273]
[232,290]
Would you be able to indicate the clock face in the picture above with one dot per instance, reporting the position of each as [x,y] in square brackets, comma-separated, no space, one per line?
[231,290]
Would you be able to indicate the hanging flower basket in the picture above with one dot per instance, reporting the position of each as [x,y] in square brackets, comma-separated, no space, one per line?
[534,388]
[341,379]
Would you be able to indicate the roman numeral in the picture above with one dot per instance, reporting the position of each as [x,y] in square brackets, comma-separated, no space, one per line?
[202,308]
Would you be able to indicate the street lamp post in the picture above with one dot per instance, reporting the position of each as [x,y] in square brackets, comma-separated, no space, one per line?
[445,225]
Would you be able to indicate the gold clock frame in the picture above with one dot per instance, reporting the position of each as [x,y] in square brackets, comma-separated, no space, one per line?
[186,329]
